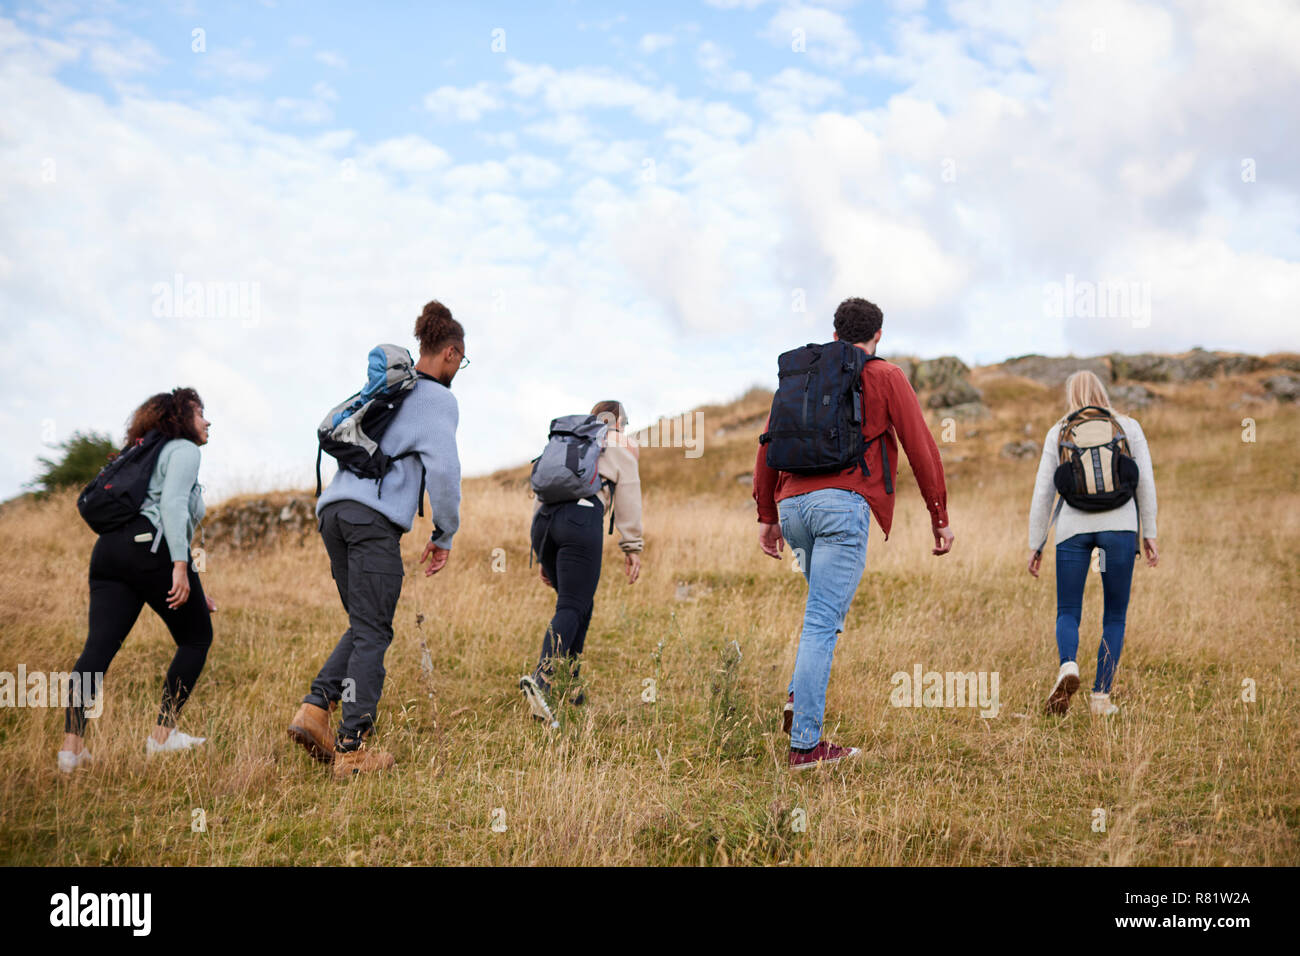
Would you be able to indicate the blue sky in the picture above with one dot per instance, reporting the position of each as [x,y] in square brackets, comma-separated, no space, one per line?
[647,203]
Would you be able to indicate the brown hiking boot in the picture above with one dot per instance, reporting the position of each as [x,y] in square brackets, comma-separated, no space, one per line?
[311,728]
[363,760]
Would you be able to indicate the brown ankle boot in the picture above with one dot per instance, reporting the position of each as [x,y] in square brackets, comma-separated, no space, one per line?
[363,760]
[311,728]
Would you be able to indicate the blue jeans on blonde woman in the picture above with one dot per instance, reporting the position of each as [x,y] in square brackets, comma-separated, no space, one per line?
[1073,559]
[827,533]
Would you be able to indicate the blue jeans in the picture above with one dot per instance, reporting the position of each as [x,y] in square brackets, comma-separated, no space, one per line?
[827,533]
[1073,557]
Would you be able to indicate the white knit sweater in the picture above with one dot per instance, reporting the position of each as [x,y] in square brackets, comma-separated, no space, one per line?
[1073,521]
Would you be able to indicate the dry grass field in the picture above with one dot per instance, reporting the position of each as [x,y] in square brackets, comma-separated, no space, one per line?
[1187,772]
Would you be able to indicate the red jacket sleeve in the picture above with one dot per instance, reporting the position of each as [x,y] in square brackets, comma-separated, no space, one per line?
[765,485]
[922,453]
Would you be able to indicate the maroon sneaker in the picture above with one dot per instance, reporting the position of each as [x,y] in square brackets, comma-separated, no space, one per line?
[787,715]
[824,752]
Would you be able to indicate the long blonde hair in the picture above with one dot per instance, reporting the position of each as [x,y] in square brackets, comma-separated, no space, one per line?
[1085,388]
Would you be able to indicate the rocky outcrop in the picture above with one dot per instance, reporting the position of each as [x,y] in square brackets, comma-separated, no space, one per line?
[1132,398]
[954,394]
[254,522]
[945,385]
[939,373]
[1285,388]
[907,363]
[1195,365]
[1054,371]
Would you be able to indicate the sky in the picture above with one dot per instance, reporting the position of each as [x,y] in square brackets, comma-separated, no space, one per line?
[646,203]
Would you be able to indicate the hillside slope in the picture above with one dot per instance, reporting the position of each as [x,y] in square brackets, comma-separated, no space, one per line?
[1187,773]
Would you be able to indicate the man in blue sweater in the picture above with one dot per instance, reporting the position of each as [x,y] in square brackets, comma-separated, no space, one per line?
[362,533]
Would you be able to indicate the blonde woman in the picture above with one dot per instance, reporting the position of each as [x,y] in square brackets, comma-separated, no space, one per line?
[1079,530]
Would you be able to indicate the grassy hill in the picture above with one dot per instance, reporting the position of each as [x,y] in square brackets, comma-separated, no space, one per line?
[1187,773]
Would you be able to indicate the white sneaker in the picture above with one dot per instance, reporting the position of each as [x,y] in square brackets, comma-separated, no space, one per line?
[1101,705]
[175,741]
[68,761]
[1067,682]
[537,701]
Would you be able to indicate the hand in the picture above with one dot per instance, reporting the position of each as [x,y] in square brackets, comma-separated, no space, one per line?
[943,538]
[1152,555]
[212,605]
[1035,562]
[180,592]
[545,580]
[770,540]
[632,566]
[437,558]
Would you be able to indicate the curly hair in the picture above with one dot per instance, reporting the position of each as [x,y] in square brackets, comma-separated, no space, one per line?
[857,320]
[171,413]
[436,329]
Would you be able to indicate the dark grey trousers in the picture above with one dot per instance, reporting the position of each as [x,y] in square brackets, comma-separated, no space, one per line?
[366,561]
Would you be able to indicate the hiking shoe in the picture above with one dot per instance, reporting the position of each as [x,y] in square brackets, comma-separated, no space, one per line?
[787,715]
[1067,682]
[361,760]
[175,741]
[311,728]
[68,761]
[1101,705]
[825,752]
[537,702]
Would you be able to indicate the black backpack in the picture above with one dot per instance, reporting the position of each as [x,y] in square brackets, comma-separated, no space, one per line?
[816,421]
[115,495]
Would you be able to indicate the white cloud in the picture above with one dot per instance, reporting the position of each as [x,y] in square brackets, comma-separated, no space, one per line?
[561,128]
[654,42]
[408,154]
[565,91]
[467,104]
[825,35]
[331,59]
[231,65]
[794,91]
[715,63]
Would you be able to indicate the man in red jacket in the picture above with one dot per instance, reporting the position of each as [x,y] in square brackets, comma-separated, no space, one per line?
[825,519]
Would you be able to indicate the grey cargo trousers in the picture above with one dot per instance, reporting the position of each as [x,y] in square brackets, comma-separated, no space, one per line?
[366,562]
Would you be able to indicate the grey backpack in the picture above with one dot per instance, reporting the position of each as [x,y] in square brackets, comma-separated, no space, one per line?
[567,468]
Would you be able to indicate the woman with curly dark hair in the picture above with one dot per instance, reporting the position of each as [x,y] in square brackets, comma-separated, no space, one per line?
[147,561]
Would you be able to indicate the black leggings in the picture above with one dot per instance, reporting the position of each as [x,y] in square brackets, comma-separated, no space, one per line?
[124,576]
[568,544]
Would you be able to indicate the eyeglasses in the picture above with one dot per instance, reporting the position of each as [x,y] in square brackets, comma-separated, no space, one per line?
[464,362]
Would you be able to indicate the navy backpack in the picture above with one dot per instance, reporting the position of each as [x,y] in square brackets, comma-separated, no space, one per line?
[816,421]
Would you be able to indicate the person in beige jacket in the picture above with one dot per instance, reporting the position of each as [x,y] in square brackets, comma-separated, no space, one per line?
[568,539]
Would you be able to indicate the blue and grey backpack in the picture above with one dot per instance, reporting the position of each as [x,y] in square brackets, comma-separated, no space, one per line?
[568,467]
[352,429]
